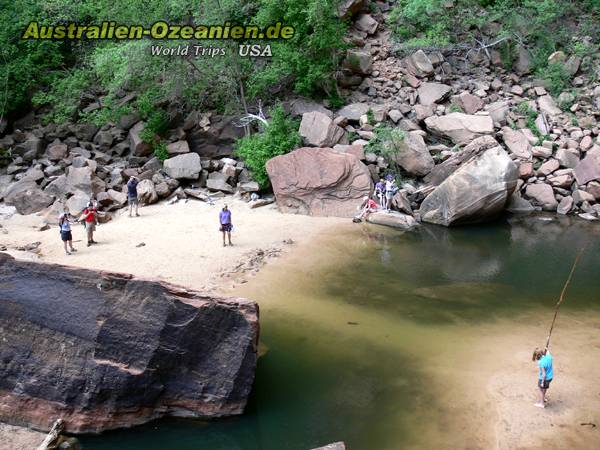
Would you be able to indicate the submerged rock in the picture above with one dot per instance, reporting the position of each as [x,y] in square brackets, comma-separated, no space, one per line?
[104,350]
[392,219]
[319,182]
[476,192]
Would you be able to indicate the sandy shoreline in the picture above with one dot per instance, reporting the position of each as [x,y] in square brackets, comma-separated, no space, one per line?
[178,243]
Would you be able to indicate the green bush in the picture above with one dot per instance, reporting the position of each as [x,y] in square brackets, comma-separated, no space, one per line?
[160,150]
[157,123]
[386,143]
[278,138]
[530,116]
[63,97]
[556,78]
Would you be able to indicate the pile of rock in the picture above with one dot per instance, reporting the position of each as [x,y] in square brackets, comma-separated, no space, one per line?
[450,112]
[70,164]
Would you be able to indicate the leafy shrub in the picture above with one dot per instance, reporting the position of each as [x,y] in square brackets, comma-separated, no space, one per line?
[64,95]
[160,151]
[386,143]
[157,123]
[530,116]
[278,138]
[556,77]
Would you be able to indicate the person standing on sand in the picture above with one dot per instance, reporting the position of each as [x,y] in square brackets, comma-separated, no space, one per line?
[132,196]
[226,225]
[64,222]
[90,220]
[546,373]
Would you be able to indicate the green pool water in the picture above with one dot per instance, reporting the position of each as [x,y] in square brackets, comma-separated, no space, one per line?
[349,327]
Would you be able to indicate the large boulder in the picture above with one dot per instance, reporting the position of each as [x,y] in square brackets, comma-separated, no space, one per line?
[442,171]
[543,195]
[215,136]
[354,111]
[588,169]
[517,143]
[77,203]
[319,130]
[460,128]
[104,350]
[359,61]
[147,192]
[412,155]
[136,144]
[27,197]
[430,93]
[177,148]
[478,191]
[186,166]
[319,182]
[419,64]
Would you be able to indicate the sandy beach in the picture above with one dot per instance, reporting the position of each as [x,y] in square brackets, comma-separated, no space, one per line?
[179,243]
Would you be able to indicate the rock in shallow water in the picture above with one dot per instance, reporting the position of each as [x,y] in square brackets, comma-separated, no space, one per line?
[104,350]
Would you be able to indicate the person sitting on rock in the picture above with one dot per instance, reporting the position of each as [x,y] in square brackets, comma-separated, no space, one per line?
[90,220]
[380,192]
[132,195]
[367,206]
[64,222]
[226,225]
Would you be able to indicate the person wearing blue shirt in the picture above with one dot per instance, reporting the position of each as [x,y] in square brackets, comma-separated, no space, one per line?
[546,373]
[226,225]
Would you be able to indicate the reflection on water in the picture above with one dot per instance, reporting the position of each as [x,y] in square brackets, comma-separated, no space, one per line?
[352,326]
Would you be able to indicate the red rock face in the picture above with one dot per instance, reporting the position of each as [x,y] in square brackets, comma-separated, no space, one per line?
[105,351]
[319,182]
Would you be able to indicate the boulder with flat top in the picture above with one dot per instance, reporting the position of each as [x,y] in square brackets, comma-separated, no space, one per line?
[106,350]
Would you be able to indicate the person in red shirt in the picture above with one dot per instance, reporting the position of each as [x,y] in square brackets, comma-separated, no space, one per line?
[368,206]
[90,219]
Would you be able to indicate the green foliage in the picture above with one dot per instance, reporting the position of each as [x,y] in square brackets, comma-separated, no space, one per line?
[64,95]
[420,23]
[371,117]
[387,143]
[455,108]
[530,116]
[5,157]
[24,65]
[157,123]
[160,151]
[280,137]
[556,78]
[311,57]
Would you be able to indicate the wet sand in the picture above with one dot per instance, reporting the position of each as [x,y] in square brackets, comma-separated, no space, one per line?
[480,377]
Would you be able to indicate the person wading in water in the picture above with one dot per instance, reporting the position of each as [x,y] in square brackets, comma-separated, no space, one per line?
[226,225]
[546,373]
